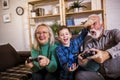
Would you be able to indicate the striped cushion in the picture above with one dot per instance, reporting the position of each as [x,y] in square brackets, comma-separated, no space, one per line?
[16,73]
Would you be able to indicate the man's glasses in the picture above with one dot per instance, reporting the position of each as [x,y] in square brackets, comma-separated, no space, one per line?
[41,32]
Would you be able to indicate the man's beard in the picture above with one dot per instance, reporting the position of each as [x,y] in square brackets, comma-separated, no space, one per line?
[95,33]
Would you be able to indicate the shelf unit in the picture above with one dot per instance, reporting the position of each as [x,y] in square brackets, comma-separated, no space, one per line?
[87,11]
[46,16]
[101,11]
[62,15]
[34,21]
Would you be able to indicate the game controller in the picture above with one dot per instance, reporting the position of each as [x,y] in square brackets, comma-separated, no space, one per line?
[88,54]
[73,58]
[33,59]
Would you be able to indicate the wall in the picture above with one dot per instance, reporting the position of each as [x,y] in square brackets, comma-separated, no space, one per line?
[113,13]
[16,32]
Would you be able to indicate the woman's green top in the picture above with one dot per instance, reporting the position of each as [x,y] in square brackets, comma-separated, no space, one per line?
[49,52]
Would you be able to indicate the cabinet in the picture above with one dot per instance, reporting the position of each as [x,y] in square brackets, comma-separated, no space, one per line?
[49,11]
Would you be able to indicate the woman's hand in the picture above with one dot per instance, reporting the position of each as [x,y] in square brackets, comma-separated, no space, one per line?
[29,65]
[44,61]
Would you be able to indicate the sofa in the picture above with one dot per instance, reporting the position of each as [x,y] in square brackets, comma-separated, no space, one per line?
[12,63]
[110,68]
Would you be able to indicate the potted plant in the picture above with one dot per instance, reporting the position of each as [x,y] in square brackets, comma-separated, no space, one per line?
[54,27]
[76,5]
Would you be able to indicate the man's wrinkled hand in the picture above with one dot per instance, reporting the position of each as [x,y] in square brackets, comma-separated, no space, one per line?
[88,23]
[101,56]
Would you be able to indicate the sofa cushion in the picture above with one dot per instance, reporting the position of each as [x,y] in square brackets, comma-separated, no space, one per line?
[8,57]
[20,72]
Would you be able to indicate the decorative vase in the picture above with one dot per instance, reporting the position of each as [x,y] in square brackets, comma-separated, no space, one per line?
[76,9]
[80,9]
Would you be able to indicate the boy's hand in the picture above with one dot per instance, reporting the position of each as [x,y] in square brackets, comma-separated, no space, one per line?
[73,68]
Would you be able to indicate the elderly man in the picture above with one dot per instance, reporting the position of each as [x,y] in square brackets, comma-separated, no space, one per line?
[106,45]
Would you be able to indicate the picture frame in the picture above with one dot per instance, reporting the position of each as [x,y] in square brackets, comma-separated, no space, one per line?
[6,18]
[5,4]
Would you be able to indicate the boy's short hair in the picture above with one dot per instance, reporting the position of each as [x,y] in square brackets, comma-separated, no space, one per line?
[61,28]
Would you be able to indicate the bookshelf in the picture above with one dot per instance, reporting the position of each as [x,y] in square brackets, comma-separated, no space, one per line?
[62,14]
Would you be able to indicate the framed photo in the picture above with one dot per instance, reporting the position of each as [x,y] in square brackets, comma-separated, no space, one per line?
[5,4]
[6,18]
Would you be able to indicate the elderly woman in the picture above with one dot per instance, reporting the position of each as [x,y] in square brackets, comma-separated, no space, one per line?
[44,64]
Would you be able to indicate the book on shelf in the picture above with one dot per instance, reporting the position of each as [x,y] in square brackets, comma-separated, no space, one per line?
[95,4]
[98,4]
[70,22]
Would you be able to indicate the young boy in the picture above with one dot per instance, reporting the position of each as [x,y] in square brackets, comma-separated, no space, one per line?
[67,50]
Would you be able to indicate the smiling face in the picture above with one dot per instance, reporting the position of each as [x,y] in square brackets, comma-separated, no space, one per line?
[42,34]
[64,37]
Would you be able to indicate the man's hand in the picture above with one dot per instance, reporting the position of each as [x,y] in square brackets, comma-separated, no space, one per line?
[89,22]
[82,61]
[100,56]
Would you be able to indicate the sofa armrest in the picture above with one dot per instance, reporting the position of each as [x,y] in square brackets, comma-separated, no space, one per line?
[23,55]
